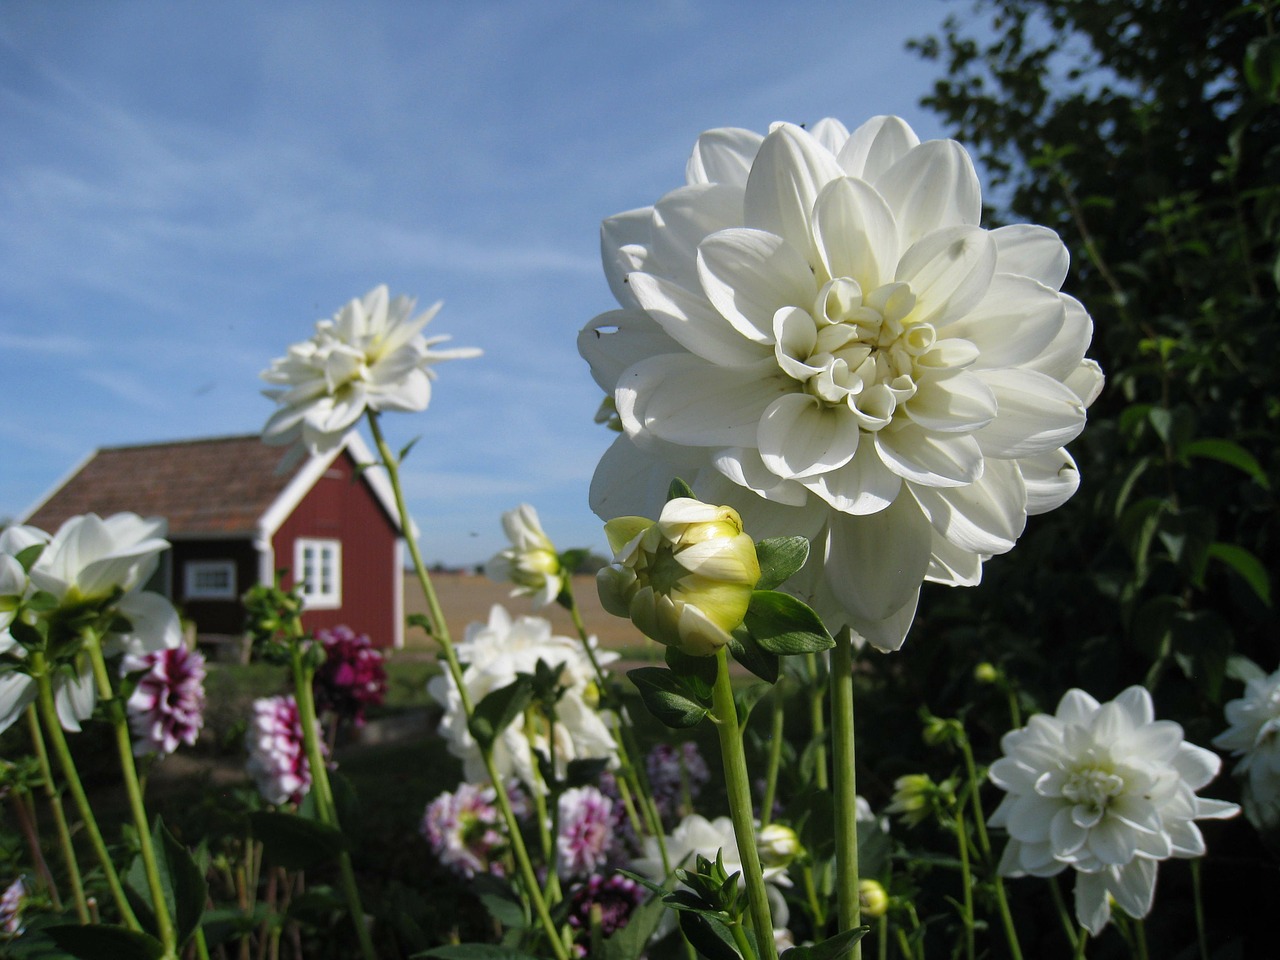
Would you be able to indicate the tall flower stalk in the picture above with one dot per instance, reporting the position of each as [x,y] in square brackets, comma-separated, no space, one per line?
[849,909]
[59,815]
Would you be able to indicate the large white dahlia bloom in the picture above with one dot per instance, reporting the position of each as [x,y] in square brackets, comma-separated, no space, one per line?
[816,330]
[1106,789]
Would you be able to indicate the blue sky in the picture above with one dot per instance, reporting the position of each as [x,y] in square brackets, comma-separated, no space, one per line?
[186,188]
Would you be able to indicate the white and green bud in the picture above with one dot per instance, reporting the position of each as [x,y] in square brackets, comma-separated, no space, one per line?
[777,845]
[685,580]
[872,898]
[531,562]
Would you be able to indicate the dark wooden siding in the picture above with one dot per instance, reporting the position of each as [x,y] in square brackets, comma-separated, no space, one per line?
[214,616]
[342,507]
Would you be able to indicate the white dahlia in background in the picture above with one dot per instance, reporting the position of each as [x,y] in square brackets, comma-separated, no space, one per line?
[166,708]
[1253,735]
[494,653]
[816,331]
[1106,789]
[372,355]
[531,562]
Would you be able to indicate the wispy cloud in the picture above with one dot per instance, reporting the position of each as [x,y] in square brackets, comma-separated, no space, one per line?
[49,344]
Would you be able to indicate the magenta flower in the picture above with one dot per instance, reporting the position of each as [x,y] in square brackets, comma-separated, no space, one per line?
[616,896]
[586,830]
[352,676]
[277,757]
[167,706]
[463,830]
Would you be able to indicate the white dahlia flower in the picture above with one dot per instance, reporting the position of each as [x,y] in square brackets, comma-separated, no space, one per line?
[370,355]
[1106,789]
[816,331]
[1253,735]
[531,563]
[493,654]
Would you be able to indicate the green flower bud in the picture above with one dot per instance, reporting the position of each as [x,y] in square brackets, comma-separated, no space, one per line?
[685,580]
[778,845]
[914,798]
[986,673]
[872,898]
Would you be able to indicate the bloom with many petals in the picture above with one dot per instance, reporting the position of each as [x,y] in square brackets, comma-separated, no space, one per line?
[371,355]
[586,831]
[1106,789]
[1253,735]
[816,330]
[277,755]
[89,577]
[464,829]
[352,676]
[686,580]
[12,901]
[167,706]
[531,562]
[494,653]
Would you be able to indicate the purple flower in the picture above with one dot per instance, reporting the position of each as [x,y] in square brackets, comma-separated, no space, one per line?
[463,829]
[12,901]
[352,676]
[615,897]
[277,757]
[676,777]
[167,706]
[586,830]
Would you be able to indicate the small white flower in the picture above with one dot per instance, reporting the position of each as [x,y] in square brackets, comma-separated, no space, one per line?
[1106,789]
[494,653]
[1253,735]
[371,355]
[531,562]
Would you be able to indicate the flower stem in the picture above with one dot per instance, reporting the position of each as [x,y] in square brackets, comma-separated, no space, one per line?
[59,815]
[775,753]
[738,788]
[1068,925]
[440,630]
[966,879]
[846,792]
[984,844]
[124,747]
[304,697]
[53,729]
[817,722]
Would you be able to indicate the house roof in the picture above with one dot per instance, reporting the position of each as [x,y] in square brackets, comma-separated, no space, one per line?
[219,487]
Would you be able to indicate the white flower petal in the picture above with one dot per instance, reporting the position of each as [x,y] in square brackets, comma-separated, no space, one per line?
[17,690]
[1051,479]
[683,219]
[1076,707]
[953,566]
[1086,381]
[1064,353]
[723,155]
[786,177]
[1032,251]
[75,697]
[855,233]
[887,635]
[632,482]
[950,271]
[932,187]
[800,437]
[1013,324]
[617,339]
[748,275]
[624,240]
[863,485]
[831,133]
[875,563]
[690,320]
[954,402]
[930,459]
[744,467]
[1134,887]
[1036,415]
[1093,910]
[876,146]
[984,517]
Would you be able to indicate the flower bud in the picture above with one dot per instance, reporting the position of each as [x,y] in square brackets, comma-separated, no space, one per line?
[872,898]
[531,562]
[778,845]
[913,797]
[686,580]
[986,672]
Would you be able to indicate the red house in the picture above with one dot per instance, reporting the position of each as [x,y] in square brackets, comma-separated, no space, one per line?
[235,519]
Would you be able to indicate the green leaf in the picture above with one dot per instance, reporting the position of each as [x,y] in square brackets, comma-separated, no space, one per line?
[498,709]
[630,942]
[783,625]
[29,556]
[697,673]
[404,451]
[181,880]
[833,948]
[1247,565]
[500,900]
[420,621]
[679,489]
[746,698]
[751,655]
[710,937]
[293,842]
[1230,453]
[474,951]
[780,558]
[104,942]
[667,697]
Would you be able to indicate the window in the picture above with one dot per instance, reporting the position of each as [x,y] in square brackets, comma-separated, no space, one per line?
[209,580]
[317,569]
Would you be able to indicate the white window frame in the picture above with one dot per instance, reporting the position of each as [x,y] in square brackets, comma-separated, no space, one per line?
[192,571]
[327,595]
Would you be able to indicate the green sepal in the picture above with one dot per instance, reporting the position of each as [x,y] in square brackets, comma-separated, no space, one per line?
[498,709]
[786,626]
[679,489]
[751,655]
[668,698]
[779,559]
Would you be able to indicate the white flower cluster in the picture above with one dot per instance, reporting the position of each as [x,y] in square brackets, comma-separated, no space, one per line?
[494,653]
[1253,735]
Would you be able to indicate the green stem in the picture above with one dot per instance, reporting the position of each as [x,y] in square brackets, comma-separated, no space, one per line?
[738,789]
[846,789]
[1202,938]
[124,748]
[53,729]
[1068,925]
[1081,941]
[740,937]
[966,879]
[817,722]
[775,754]
[440,630]
[984,843]
[304,697]
[59,815]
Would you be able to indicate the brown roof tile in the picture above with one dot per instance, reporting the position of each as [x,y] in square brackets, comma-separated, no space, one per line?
[218,487]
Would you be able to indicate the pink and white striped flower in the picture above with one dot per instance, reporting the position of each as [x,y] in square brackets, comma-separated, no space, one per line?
[166,708]
[277,757]
[464,829]
[586,831]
